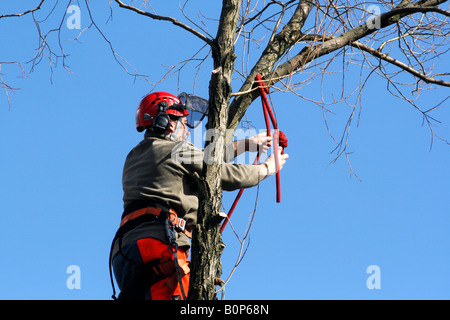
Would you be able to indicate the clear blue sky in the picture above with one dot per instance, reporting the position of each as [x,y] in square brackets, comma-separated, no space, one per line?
[65,137]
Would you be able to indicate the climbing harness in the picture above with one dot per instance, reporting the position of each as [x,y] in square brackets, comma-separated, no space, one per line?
[146,274]
[279,139]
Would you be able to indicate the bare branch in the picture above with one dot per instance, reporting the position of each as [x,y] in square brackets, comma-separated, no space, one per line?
[4,85]
[332,44]
[23,13]
[411,10]
[276,48]
[399,64]
[164,18]
[116,56]
[242,252]
[385,57]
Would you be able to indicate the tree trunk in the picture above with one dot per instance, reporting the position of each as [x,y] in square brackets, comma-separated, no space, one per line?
[207,243]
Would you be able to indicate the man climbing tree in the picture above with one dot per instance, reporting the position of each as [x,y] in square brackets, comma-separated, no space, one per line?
[291,44]
[150,249]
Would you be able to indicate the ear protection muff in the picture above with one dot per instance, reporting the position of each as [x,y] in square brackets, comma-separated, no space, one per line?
[161,122]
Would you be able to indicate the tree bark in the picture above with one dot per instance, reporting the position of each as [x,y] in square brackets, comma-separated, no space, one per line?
[207,243]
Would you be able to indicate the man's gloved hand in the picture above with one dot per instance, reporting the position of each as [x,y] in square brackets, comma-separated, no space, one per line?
[269,166]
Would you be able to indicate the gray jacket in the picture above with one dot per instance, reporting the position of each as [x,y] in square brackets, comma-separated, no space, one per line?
[167,172]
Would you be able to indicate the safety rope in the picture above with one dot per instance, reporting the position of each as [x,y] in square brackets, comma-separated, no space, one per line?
[279,139]
[173,247]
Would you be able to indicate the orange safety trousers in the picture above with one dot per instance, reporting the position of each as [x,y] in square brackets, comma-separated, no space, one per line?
[166,288]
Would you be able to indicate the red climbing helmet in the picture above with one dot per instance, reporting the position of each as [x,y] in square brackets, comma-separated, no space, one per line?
[149,108]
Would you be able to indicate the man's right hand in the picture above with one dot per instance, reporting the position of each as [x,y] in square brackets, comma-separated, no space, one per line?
[269,166]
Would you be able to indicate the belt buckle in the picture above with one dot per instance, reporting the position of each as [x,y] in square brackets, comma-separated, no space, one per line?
[180,224]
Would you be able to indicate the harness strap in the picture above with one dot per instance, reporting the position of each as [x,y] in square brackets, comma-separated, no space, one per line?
[173,247]
[178,223]
[133,215]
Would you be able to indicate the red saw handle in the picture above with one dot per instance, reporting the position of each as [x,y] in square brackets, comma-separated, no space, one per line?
[279,140]
[268,111]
